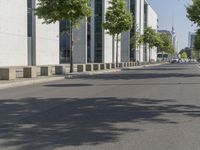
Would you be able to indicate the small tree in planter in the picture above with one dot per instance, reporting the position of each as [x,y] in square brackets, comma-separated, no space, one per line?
[136,41]
[118,20]
[74,11]
[151,38]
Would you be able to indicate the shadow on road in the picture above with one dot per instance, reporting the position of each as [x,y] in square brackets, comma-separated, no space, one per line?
[67,85]
[156,72]
[38,124]
[130,76]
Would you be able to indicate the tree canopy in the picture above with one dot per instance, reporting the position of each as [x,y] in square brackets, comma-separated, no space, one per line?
[166,44]
[136,39]
[184,55]
[197,41]
[187,50]
[52,11]
[193,12]
[150,37]
[118,18]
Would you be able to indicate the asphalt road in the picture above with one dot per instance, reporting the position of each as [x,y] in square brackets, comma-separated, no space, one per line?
[154,108]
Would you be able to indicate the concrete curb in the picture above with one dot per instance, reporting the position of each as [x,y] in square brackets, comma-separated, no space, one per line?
[67,76]
[83,74]
[28,82]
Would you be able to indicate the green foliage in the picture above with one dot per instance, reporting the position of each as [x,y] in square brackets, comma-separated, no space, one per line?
[150,37]
[188,51]
[184,55]
[197,41]
[136,39]
[52,11]
[171,50]
[118,19]
[166,44]
[193,12]
[73,11]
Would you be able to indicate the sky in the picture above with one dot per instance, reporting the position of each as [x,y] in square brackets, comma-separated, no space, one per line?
[173,12]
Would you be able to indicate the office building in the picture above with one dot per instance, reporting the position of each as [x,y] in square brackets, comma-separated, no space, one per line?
[144,16]
[191,39]
[24,40]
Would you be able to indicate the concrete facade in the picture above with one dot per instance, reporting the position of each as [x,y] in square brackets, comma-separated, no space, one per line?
[13,33]
[152,21]
[47,43]
[80,44]
[40,45]
[14,37]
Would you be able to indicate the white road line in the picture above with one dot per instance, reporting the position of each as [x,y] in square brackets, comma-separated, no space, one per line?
[198,66]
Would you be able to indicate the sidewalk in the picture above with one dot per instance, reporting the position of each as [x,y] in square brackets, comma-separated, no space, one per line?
[23,82]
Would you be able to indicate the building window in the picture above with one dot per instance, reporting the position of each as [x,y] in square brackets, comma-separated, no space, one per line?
[31,32]
[98,30]
[132,31]
[89,40]
[64,42]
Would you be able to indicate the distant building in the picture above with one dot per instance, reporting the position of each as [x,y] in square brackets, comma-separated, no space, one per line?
[191,39]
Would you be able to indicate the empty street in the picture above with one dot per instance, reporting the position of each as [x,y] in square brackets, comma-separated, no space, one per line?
[150,108]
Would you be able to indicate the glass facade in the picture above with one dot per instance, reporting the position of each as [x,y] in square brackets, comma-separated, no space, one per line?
[145,26]
[98,30]
[31,32]
[89,40]
[64,42]
[132,32]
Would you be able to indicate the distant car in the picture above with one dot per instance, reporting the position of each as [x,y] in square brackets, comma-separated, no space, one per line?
[198,60]
[175,60]
[192,60]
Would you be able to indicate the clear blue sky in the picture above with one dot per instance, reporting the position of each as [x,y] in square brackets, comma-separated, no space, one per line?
[170,11]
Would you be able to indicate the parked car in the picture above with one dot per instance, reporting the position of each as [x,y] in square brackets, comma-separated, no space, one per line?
[175,60]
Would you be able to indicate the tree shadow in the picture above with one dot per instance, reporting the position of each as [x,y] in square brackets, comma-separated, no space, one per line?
[130,75]
[150,84]
[160,69]
[67,85]
[37,124]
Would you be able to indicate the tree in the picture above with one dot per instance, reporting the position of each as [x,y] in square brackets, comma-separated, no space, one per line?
[136,40]
[193,12]
[151,38]
[165,44]
[184,55]
[197,43]
[118,20]
[188,51]
[73,11]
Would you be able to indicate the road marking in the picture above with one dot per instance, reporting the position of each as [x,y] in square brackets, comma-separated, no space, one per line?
[198,66]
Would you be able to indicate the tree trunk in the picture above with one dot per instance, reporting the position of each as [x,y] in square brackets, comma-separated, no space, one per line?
[162,56]
[149,54]
[139,55]
[71,49]
[117,54]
